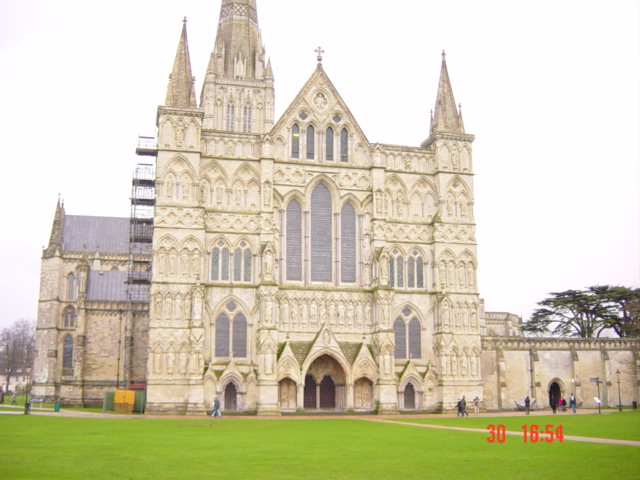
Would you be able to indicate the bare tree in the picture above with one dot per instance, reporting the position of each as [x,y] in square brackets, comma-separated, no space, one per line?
[17,344]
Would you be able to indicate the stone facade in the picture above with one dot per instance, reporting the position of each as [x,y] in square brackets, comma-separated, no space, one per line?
[299,266]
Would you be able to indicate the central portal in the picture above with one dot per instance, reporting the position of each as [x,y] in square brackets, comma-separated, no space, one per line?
[325,385]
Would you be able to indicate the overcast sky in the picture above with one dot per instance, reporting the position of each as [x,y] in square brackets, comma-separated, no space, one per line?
[550,89]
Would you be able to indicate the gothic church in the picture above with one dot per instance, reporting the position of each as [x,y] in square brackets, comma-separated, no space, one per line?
[296,266]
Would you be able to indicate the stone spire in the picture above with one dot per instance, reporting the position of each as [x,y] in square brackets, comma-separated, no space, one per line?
[237,94]
[238,51]
[446,117]
[181,89]
[55,240]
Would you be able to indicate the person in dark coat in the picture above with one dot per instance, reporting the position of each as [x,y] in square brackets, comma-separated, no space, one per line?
[527,404]
[216,409]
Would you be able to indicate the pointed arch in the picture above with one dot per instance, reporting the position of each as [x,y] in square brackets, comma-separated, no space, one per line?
[293,229]
[321,233]
[348,253]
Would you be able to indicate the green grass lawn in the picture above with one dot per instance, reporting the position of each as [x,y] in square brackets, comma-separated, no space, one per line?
[39,447]
[612,424]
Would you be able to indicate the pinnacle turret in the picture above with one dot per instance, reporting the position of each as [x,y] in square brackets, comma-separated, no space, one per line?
[446,116]
[55,240]
[181,89]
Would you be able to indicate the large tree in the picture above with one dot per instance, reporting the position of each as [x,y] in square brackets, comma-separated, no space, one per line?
[587,313]
[16,348]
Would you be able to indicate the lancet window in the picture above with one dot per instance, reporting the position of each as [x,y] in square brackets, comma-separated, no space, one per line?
[295,141]
[227,265]
[231,332]
[329,138]
[407,333]
[69,317]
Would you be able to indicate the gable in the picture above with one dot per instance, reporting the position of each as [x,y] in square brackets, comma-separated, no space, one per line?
[320,106]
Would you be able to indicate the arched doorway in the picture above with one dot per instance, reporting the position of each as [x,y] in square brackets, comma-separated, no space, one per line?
[327,392]
[309,392]
[555,392]
[409,397]
[363,394]
[288,394]
[325,385]
[230,397]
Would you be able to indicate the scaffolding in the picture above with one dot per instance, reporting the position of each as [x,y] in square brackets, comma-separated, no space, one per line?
[143,199]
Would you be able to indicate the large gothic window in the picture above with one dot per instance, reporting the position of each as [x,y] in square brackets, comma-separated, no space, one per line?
[344,145]
[295,141]
[311,142]
[321,234]
[231,335]
[294,241]
[348,244]
[329,145]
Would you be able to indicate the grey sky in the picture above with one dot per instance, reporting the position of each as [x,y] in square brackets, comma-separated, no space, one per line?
[549,88]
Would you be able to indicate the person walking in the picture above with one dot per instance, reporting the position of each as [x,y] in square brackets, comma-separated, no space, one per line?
[572,402]
[13,398]
[554,405]
[476,405]
[216,409]
[527,404]
[463,407]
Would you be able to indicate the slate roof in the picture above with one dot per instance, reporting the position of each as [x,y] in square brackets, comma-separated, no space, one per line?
[95,234]
[107,285]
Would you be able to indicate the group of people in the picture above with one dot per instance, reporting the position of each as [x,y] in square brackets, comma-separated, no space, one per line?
[461,407]
[561,404]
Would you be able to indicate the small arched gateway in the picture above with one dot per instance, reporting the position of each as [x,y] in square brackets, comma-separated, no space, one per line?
[230,397]
[555,392]
[325,385]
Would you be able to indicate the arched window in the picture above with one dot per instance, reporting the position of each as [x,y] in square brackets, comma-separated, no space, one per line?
[415,349]
[223,331]
[396,270]
[294,241]
[69,317]
[295,141]
[231,117]
[415,271]
[344,145]
[220,263]
[348,244]
[321,234]
[231,336]
[239,346]
[246,119]
[242,263]
[311,142]
[67,355]
[400,333]
[71,287]
[329,145]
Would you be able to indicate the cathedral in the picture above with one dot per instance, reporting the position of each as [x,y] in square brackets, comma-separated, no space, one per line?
[288,265]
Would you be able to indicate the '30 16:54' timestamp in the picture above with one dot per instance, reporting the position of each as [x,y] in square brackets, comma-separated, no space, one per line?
[532,433]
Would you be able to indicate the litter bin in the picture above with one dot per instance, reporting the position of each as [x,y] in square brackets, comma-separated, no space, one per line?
[634,404]
[27,408]
[56,407]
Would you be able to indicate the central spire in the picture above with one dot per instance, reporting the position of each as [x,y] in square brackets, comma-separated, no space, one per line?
[238,52]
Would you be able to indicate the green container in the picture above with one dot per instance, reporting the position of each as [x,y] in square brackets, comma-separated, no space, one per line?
[141,399]
[107,404]
[56,407]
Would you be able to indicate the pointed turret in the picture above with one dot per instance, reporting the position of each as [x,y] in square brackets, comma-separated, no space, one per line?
[238,63]
[446,117]
[181,89]
[55,240]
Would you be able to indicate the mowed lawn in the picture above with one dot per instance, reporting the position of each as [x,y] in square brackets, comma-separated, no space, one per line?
[621,426]
[51,448]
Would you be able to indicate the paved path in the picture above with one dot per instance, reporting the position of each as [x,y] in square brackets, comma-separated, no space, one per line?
[519,434]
